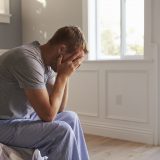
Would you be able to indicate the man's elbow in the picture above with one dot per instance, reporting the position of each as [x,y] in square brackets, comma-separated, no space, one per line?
[48,117]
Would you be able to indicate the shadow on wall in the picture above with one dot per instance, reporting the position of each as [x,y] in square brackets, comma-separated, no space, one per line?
[40,9]
[43,17]
[11,33]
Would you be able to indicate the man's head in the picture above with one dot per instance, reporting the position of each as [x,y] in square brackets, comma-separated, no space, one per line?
[70,36]
[67,41]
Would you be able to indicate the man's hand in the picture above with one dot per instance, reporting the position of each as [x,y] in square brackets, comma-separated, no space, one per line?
[80,59]
[75,61]
[69,66]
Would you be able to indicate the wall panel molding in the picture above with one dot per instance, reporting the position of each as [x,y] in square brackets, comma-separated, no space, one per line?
[110,80]
[89,73]
[123,117]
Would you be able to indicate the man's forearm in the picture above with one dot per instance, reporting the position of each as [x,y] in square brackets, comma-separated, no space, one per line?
[57,94]
[65,97]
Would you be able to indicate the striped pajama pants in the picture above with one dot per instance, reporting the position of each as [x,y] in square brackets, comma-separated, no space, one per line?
[61,139]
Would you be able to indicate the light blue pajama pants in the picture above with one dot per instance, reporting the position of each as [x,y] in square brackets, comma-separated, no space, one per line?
[61,139]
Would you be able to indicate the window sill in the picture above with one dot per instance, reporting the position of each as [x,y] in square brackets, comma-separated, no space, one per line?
[5,18]
[120,61]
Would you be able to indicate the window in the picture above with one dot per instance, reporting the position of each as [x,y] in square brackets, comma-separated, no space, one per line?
[115,28]
[4,11]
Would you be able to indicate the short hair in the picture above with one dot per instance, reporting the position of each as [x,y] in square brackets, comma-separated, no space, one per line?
[72,37]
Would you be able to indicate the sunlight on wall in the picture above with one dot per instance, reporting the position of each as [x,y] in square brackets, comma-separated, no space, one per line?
[2,7]
[43,2]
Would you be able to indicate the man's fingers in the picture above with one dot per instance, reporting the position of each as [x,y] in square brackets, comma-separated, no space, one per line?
[77,63]
[59,60]
[78,60]
[74,56]
[81,59]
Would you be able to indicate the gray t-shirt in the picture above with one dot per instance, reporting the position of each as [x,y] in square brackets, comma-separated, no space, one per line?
[21,68]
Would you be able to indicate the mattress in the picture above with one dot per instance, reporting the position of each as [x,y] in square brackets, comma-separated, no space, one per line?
[16,153]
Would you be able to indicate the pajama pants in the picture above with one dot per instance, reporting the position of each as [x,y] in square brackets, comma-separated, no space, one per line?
[61,139]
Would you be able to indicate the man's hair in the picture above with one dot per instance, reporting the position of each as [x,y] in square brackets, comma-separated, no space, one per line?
[71,36]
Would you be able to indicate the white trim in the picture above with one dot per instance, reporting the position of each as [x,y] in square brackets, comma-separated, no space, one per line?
[123,29]
[142,71]
[148,29]
[85,18]
[91,42]
[155,95]
[5,17]
[97,31]
[89,8]
[119,132]
[87,114]
[141,61]
[97,114]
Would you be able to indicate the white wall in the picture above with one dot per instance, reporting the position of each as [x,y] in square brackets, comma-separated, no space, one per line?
[119,99]
[116,99]
[41,18]
[113,98]
[11,33]
[156,39]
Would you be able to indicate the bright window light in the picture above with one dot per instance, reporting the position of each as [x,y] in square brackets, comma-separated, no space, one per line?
[2,7]
[4,11]
[116,31]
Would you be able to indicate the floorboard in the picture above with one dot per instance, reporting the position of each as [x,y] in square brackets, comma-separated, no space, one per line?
[102,148]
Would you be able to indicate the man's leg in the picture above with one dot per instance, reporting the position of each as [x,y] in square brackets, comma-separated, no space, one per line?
[72,119]
[54,139]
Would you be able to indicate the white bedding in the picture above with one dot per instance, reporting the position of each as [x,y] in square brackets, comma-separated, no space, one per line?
[8,153]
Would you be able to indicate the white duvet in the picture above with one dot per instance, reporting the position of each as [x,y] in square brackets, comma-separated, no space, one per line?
[8,153]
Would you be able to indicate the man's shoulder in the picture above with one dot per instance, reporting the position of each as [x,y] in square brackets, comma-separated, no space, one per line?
[30,50]
[26,52]
[25,56]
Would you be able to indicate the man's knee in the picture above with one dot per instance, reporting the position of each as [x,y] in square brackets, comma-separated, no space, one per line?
[63,127]
[70,115]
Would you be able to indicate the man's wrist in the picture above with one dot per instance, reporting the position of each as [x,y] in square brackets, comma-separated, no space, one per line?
[62,77]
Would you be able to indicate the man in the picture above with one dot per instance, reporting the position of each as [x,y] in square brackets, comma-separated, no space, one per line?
[32,103]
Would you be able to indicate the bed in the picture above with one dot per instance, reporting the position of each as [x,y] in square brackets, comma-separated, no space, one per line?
[16,153]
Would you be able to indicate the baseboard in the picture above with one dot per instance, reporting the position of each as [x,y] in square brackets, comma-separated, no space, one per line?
[140,136]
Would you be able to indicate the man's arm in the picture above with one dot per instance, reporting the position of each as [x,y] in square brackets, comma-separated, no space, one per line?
[45,105]
[65,98]
[65,95]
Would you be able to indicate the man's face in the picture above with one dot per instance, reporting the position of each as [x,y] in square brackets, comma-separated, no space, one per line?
[78,54]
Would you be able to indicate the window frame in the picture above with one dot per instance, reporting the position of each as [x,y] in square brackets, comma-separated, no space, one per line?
[5,17]
[89,6]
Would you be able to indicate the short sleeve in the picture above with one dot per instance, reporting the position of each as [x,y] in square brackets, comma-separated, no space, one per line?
[51,76]
[28,72]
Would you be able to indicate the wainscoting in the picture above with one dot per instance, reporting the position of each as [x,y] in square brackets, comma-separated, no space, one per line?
[117,99]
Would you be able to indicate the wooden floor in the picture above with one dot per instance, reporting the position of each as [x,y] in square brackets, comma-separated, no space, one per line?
[101,148]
